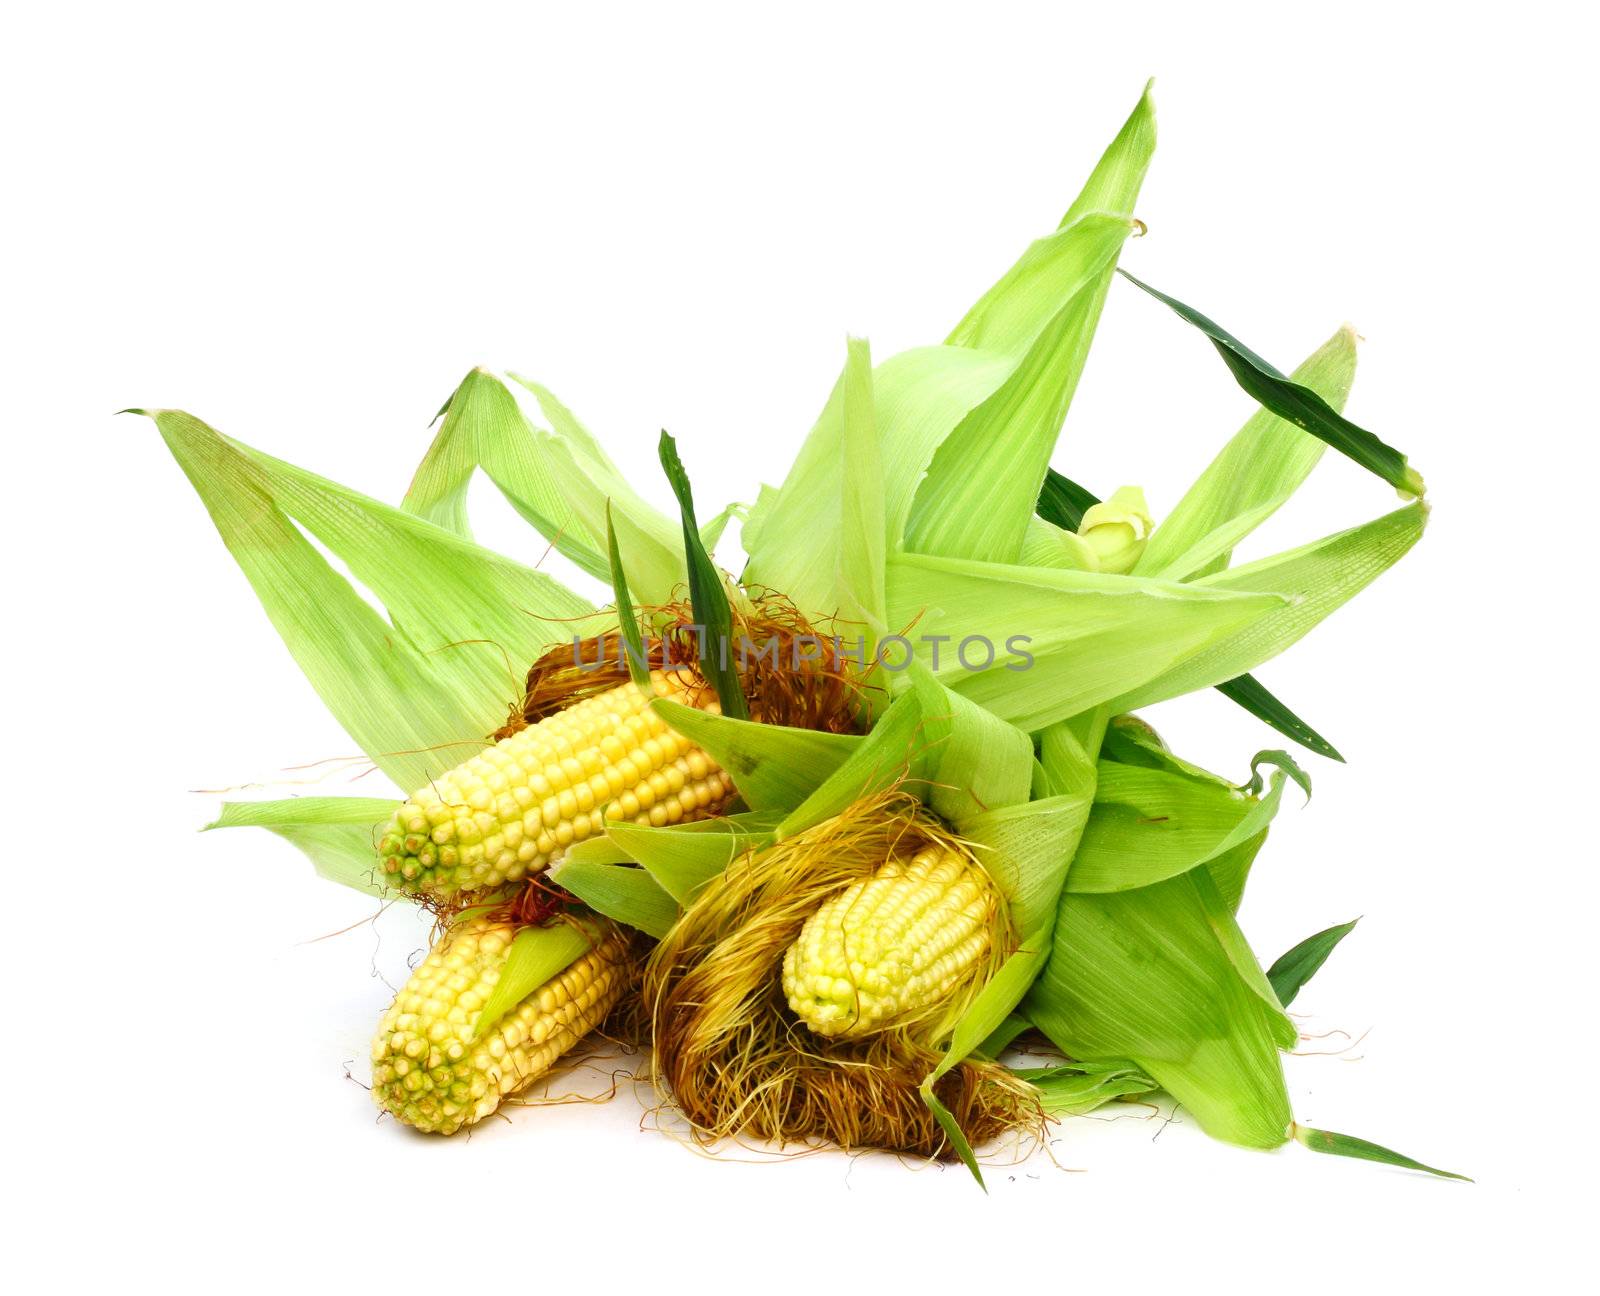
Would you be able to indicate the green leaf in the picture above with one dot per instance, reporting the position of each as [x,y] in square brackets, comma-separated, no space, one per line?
[978,762]
[1148,825]
[1090,636]
[1291,972]
[633,650]
[1047,545]
[983,480]
[1250,693]
[536,955]
[1347,1145]
[337,834]
[1062,502]
[560,481]
[1028,850]
[1260,468]
[993,397]
[367,812]
[1003,1036]
[629,895]
[1230,870]
[683,858]
[1077,1088]
[821,540]
[952,1131]
[1315,580]
[416,692]
[707,596]
[993,1005]
[893,750]
[1295,402]
[1152,976]
[1130,741]
[775,767]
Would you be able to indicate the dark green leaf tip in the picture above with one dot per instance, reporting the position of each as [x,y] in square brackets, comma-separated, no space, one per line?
[1062,502]
[1290,973]
[1248,692]
[707,597]
[1347,1145]
[1292,401]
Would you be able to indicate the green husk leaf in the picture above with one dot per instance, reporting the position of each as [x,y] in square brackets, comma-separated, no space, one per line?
[592,872]
[1251,477]
[952,1131]
[983,480]
[978,761]
[707,596]
[1028,850]
[1152,976]
[582,477]
[1130,741]
[1090,636]
[1009,367]
[995,1001]
[1315,580]
[775,767]
[1148,825]
[368,812]
[337,834]
[536,955]
[1230,870]
[1027,847]
[417,691]
[1295,402]
[684,857]
[1297,966]
[632,640]
[1238,951]
[1347,1145]
[1062,504]
[560,482]
[1047,545]
[1078,1088]
[1003,1036]
[822,538]
[711,532]
[893,750]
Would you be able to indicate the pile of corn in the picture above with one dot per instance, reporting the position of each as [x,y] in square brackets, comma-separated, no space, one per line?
[827,897]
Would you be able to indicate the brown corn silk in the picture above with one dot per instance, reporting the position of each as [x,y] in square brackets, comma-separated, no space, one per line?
[735,1059]
[793,674]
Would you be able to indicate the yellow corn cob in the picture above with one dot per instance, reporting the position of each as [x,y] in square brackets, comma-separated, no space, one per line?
[891,948]
[514,808]
[428,1069]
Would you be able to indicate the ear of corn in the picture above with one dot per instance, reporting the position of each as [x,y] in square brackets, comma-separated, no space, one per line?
[513,809]
[890,949]
[432,1071]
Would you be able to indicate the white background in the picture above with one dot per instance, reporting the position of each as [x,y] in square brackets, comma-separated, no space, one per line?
[304,225]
